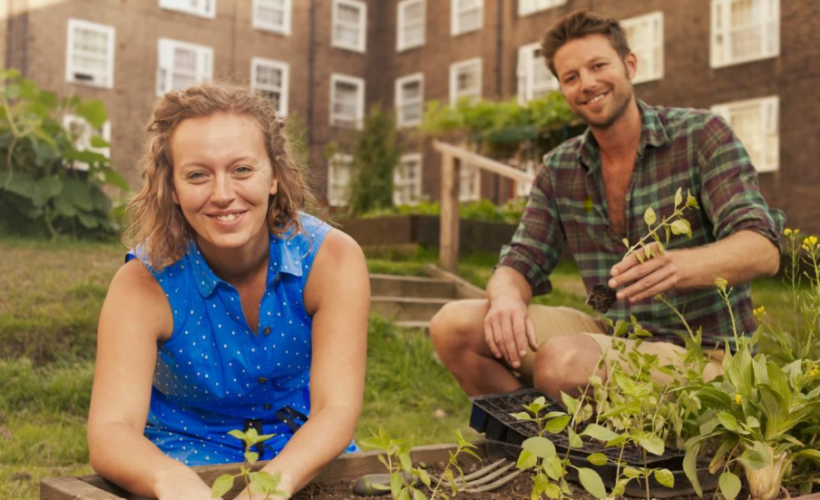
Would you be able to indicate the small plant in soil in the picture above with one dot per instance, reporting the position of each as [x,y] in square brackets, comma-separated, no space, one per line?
[601,297]
[256,482]
[406,479]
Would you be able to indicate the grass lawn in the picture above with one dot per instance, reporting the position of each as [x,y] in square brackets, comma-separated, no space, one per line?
[50,298]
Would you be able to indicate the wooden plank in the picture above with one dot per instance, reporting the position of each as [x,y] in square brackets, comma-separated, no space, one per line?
[464,289]
[483,162]
[72,488]
[448,240]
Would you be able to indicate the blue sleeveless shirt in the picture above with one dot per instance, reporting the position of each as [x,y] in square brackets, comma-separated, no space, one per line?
[214,373]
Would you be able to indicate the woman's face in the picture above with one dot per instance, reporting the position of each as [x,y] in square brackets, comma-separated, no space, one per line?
[223,179]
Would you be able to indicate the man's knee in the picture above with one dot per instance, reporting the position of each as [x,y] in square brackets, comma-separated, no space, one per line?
[457,324]
[564,364]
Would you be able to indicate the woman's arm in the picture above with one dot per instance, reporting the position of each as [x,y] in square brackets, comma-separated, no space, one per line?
[338,296]
[134,317]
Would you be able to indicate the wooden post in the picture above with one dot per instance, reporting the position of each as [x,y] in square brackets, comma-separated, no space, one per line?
[448,240]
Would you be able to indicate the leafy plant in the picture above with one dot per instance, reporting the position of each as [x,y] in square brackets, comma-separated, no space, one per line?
[39,187]
[256,482]
[406,479]
[375,156]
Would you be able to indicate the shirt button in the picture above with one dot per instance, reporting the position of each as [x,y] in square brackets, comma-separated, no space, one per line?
[266,331]
[262,380]
[267,406]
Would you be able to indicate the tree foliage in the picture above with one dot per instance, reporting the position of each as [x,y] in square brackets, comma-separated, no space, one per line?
[40,191]
[375,156]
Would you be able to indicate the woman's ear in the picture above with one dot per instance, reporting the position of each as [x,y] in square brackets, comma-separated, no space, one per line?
[274,186]
[174,196]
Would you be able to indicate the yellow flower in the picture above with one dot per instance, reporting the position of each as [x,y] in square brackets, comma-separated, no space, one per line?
[721,283]
[796,231]
[814,372]
[759,312]
[787,232]
[738,399]
[810,241]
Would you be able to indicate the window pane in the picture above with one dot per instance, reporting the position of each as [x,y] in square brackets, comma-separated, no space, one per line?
[184,60]
[268,76]
[347,14]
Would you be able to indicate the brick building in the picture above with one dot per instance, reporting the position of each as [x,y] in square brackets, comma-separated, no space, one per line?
[754,61]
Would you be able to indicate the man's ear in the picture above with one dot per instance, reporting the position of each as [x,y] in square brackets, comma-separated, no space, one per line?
[631,63]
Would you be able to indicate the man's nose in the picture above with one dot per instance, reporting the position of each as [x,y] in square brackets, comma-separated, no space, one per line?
[588,81]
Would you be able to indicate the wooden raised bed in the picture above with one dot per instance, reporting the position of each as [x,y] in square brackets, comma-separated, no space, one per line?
[346,467]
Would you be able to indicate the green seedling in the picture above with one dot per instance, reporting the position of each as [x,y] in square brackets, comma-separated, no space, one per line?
[255,482]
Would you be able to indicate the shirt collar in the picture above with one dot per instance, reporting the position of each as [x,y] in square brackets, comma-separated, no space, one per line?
[652,134]
[284,257]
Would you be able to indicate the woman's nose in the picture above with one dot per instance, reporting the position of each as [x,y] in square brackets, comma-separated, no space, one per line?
[223,192]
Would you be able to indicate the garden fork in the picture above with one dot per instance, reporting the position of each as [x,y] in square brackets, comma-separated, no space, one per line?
[488,478]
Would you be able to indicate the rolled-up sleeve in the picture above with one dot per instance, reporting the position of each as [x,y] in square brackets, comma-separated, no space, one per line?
[730,195]
[537,243]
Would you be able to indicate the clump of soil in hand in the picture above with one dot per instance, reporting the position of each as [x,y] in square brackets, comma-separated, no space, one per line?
[601,298]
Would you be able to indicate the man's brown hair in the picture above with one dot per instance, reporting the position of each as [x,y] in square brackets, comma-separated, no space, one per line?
[577,25]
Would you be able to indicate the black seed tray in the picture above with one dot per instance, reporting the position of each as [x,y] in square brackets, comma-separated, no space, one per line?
[492,415]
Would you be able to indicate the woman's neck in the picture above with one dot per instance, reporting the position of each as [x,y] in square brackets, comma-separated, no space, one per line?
[238,265]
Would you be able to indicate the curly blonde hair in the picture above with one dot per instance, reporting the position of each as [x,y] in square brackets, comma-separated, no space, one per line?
[157,225]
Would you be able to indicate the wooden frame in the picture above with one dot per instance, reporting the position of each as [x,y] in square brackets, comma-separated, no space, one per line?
[346,467]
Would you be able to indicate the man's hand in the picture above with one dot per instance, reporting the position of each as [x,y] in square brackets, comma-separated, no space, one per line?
[508,329]
[641,280]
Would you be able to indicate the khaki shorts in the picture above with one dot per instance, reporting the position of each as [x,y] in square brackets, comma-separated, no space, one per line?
[554,321]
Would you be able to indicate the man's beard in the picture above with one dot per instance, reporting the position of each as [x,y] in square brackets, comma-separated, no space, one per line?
[620,101]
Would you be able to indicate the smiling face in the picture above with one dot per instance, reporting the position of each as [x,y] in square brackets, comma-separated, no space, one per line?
[594,80]
[223,180]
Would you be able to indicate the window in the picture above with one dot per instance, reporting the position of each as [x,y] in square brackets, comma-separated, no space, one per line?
[466,15]
[534,78]
[744,30]
[271,78]
[346,101]
[411,24]
[90,54]
[82,133]
[410,100]
[272,15]
[350,24]
[338,180]
[203,8]
[755,122]
[465,80]
[527,7]
[469,183]
[407,180]
[522,189]
[645,37]
[182,64]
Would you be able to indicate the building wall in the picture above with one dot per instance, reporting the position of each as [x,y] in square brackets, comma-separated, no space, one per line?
[36,34]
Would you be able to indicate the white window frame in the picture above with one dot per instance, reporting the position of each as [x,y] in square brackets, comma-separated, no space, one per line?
[401,42]
[338,196]
[353,80]
[526,74]
[647,71]
[721,30]
[282,109]
[456,10]
[71,71]
[401,103]
[362,45]
[455,68]
[206,8]
[399,182]
[83,141]
[769,129]
[466,171]
[165,69]
[527,7]
[287,16]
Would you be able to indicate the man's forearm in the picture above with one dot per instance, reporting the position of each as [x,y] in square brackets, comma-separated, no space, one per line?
[508,283]
[740,258]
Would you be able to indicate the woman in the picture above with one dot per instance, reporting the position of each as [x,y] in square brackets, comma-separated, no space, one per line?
[239,311]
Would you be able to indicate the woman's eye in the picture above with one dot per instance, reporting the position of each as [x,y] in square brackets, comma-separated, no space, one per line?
[196,175]
[243,169]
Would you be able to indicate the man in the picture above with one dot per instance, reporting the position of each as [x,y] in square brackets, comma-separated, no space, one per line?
[591,193]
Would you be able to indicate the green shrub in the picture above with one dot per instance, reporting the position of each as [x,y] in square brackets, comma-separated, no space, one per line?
[39,189]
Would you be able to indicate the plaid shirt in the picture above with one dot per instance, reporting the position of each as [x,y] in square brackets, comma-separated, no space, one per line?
[680,148]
